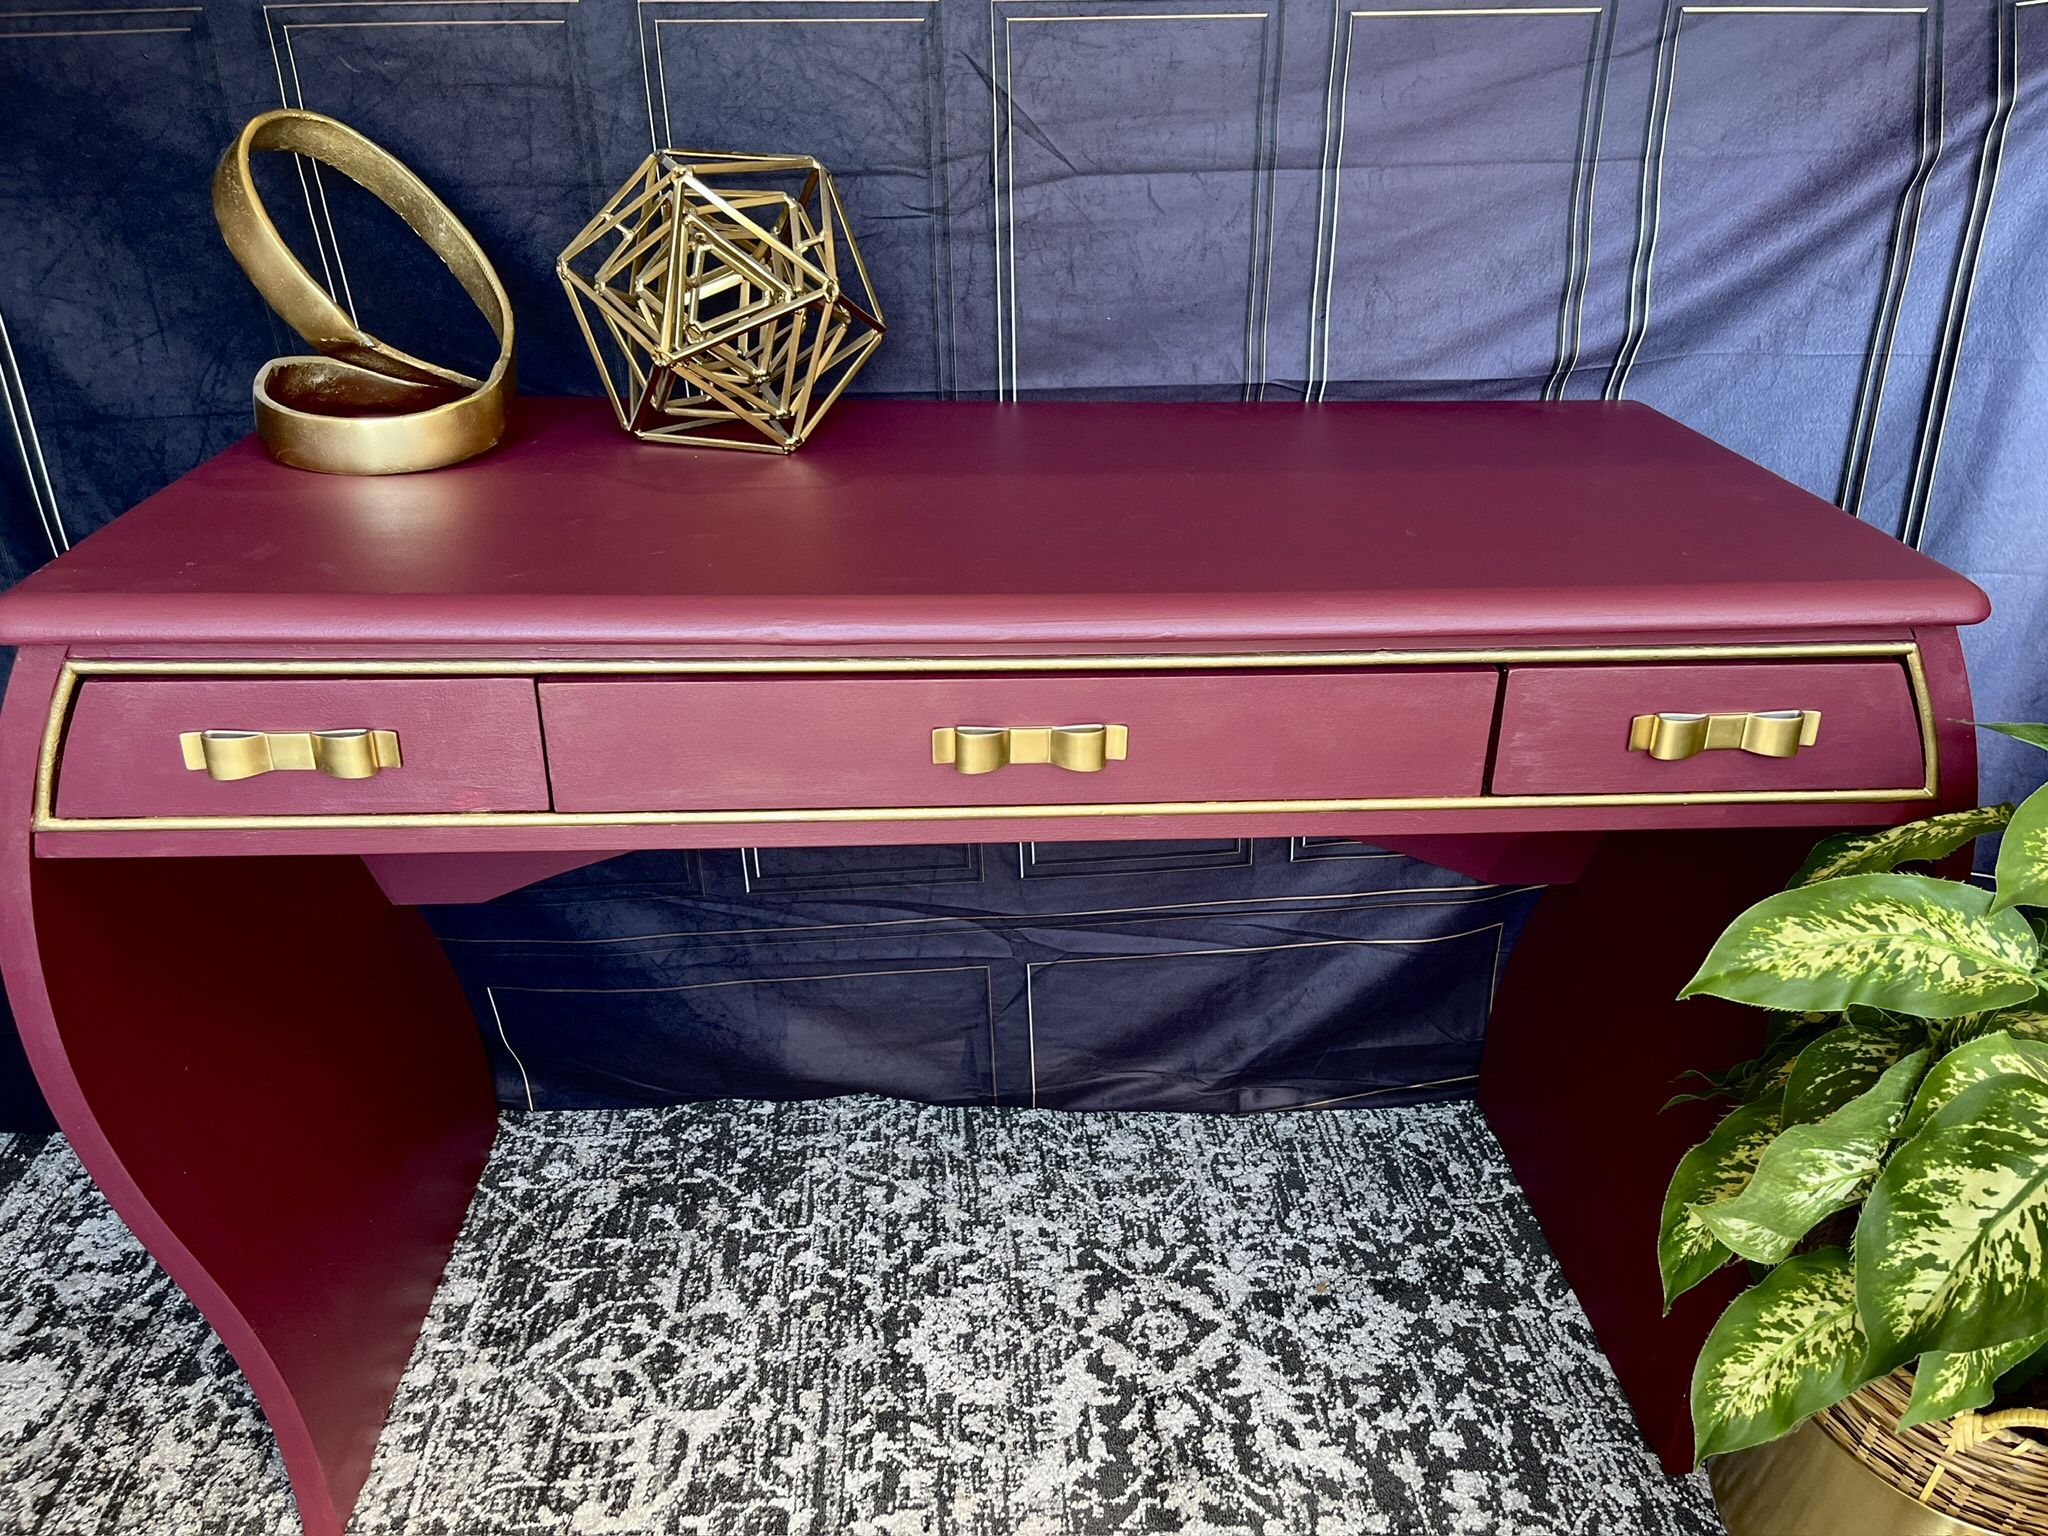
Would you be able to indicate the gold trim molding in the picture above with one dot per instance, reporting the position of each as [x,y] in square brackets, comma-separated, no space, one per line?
[1096,661]
[77,669]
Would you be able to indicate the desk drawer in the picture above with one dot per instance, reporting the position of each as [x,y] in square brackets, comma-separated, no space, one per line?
[462,744]
[1566,730]
[851,742]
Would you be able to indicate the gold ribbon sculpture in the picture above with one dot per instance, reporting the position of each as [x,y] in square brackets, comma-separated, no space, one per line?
[362,407]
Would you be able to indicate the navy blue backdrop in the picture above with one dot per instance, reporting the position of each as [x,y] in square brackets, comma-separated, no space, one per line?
[1814,231]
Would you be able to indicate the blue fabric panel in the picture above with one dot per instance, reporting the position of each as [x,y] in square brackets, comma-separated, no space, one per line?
[1815,231]
[1987,512]
[1213,974]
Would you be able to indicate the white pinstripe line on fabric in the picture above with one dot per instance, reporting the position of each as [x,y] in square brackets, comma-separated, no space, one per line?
[323,220]
[1665,85]
[1031,969]
[1002,131]
[491,995]
[29,444]
[1324,268]
[1962,290]
[1167,913]
[127,10]
[497,1018]
[1371,1093]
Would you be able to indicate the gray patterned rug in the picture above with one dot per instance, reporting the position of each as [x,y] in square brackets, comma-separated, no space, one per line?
[865,1318]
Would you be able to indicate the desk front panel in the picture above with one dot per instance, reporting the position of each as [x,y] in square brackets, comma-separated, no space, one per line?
[587,753]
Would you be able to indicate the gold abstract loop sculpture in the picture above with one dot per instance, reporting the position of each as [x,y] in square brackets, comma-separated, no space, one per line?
[362,407]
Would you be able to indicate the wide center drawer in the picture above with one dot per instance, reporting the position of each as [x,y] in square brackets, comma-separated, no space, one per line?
[690,744]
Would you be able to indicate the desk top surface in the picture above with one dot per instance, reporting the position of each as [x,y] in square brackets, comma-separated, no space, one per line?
[951,524]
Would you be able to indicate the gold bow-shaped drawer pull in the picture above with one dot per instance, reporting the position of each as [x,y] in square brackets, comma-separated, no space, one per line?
[985,748]
[1672,736]
[352,754]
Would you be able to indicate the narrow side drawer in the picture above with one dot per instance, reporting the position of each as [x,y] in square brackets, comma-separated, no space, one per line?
[1566,729]
[465,744]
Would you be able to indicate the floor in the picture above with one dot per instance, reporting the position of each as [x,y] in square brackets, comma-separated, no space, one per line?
[865,1318]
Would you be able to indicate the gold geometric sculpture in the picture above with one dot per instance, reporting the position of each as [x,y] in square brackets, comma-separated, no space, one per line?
[723,298]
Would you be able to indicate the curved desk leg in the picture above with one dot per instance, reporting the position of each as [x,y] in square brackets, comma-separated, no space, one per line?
[274,1077]
[1585,1044]
[1587,1041]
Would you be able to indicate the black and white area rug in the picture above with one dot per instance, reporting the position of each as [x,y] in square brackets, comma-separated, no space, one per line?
[865,1318]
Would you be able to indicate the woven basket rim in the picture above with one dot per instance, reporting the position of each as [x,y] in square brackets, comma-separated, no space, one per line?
[2000,1484]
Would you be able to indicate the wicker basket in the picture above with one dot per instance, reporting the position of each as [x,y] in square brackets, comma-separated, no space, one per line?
[1851,1471]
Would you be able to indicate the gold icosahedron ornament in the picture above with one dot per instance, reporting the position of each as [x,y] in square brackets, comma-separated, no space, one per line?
[723,298]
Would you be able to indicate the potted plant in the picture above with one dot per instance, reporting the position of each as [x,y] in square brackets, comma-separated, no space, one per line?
[1883,1170]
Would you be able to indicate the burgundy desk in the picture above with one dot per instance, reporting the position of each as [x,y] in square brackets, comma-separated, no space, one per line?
[1430,626]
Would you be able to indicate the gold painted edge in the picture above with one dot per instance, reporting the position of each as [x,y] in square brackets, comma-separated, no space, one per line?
[45,820]
[1923,706]
[53,740]
[1182,661]
[959,812]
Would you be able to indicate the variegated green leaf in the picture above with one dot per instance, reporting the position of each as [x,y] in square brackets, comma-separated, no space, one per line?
[2023,856]
[2025,1373]
[1946,1384]
[1997,1054]
[1952,1246]
[1716,1169]
[1811,1171]
[1918,842]
[1785,1348]
[1913,945]
[2027,1021]
[1786,1036]
[1781,1025]
[1771,1071]
[1843,1063]
[2033,735]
